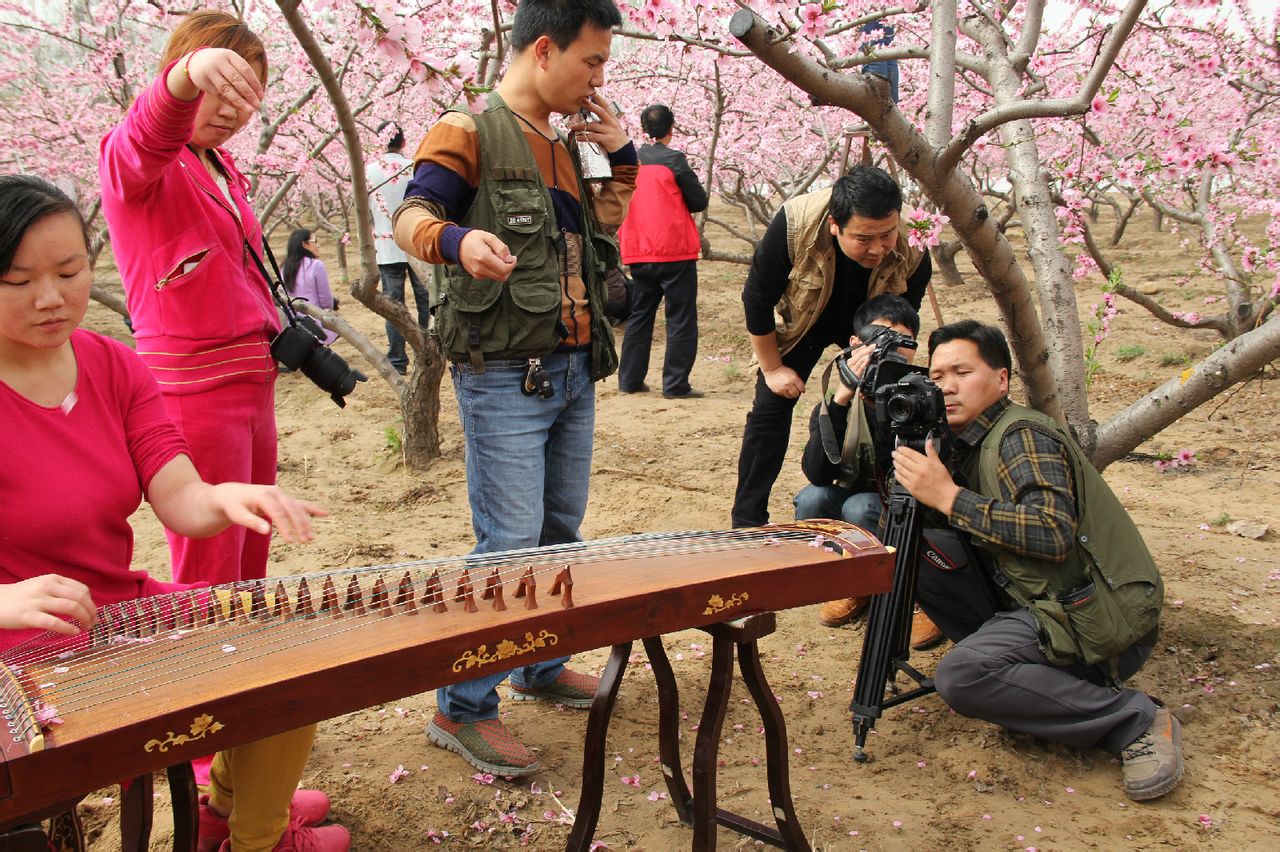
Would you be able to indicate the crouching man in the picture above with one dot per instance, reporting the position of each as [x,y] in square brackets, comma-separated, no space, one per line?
[1057,599]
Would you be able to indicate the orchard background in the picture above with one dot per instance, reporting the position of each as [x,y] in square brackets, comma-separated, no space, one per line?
[1098,177]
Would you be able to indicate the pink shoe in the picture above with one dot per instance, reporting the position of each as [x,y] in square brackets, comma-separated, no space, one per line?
[308,807]
[298,838]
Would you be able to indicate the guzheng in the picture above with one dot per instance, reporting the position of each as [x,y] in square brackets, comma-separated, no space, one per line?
[161,680]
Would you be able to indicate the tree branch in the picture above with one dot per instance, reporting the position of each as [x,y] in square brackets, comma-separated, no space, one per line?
[1050,107]
[1235,362]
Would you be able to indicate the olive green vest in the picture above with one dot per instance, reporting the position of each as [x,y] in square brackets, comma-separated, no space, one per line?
[479,319]
[1107,594]
[812,252]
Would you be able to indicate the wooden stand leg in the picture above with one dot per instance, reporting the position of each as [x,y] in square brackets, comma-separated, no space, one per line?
[584,822]
[135,814]
[186,810]
[669,729]
[775,744]
[707,745]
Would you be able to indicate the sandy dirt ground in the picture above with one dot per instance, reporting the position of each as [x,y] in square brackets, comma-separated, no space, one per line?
[938,780]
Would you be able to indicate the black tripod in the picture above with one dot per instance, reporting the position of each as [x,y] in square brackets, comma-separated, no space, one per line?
[886,644]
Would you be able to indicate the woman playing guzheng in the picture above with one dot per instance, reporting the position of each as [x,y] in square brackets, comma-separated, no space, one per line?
[86,437]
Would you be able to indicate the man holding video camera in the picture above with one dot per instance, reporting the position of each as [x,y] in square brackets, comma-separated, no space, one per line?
[847,489]
[1056,599]
[823,255]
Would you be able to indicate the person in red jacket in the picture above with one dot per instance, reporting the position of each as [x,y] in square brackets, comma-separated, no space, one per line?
[661,245]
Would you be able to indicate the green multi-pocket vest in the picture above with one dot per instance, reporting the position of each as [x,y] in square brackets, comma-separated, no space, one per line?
[1107,594]
[478,319]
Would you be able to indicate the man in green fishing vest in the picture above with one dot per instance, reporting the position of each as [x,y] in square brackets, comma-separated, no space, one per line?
[501,201]
[1057,600]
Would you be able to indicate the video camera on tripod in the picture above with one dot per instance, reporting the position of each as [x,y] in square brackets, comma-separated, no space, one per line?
[909,411]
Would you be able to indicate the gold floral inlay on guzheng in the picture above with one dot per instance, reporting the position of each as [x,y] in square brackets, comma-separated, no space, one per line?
[507,649]
[266,656]
[202,726]
[717,604]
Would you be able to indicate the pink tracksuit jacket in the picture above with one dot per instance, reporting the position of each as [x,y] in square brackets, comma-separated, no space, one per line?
[202,314]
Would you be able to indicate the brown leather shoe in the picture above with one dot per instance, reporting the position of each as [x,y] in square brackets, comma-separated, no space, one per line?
[841,612]
[924,633]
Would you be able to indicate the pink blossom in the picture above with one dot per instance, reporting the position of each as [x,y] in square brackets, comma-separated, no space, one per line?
[631,780]
[482,778]
[399,773]
[1099,104]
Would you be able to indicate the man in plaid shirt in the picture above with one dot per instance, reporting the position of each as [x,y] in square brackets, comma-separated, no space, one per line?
[1055,599]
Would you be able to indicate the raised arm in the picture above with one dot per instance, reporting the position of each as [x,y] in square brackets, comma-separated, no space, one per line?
[159,123]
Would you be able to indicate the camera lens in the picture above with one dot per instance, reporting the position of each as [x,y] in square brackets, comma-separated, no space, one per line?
[903,407]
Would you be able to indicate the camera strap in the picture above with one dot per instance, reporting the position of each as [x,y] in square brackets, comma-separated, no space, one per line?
[853,429]
[278,293]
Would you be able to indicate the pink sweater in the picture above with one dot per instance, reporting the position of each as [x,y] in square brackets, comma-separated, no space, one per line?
[202,313]
[69,480]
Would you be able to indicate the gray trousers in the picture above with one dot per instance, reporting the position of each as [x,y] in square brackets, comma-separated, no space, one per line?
[998,674]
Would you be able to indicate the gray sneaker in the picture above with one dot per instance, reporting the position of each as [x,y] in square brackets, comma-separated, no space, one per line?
[1153,762]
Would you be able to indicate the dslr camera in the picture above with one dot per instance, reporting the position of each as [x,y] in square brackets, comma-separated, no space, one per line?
[908,405]
[300,346]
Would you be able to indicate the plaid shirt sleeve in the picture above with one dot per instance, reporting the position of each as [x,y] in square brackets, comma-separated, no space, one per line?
[1034,513]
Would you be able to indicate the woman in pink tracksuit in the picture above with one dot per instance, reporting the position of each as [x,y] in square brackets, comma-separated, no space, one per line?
[182,232]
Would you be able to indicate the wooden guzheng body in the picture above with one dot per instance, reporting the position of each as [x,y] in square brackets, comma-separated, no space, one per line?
[162,680]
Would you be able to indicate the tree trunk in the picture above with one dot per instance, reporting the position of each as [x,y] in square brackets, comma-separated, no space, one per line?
[1059,316]
[944,262]
[420,408]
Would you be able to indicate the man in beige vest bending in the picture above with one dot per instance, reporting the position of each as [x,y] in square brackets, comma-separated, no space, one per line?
[823,255]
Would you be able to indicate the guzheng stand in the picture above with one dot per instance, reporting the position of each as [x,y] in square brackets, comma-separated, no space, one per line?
[66,834]
[697,809]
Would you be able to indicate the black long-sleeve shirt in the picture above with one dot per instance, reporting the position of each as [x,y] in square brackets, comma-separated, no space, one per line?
[771,268]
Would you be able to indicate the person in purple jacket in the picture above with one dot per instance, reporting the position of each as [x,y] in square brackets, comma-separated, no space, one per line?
[305,276]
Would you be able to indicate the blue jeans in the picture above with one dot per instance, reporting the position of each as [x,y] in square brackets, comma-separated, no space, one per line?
[862,508]
[393,275]
[528,471]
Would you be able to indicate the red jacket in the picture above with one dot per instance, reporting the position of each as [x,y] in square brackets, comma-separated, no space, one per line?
[659,227]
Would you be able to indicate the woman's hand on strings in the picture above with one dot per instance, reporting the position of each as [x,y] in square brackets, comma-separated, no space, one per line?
[261,507]
[45,603]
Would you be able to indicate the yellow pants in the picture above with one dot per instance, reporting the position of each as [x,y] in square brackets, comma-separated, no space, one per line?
[255,783]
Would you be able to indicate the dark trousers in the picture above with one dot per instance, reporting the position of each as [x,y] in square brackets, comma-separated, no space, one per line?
[393,275]
[997,672]
[677,283]
[765,438]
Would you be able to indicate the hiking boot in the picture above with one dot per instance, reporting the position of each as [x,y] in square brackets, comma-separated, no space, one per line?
[301,838]
[308,807]
[570,689]
[1153,762]
[841,612]
[924,633]
[487,745]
